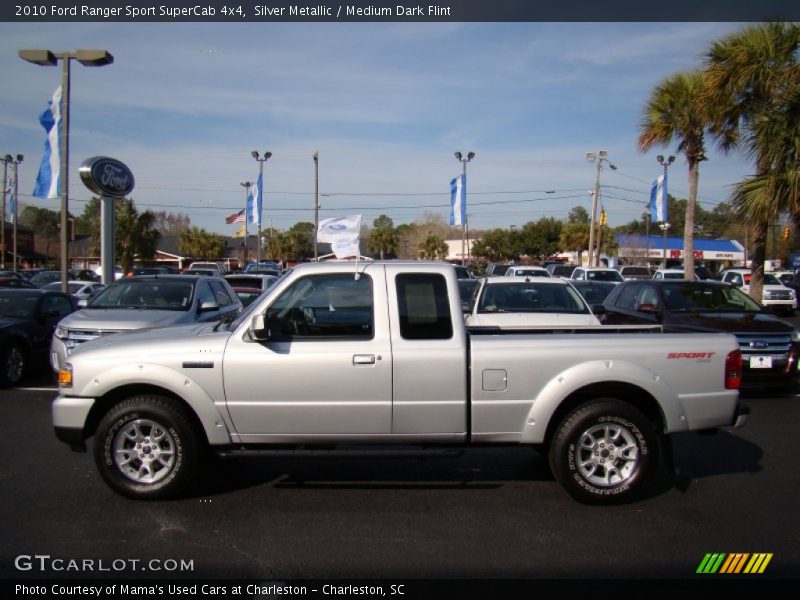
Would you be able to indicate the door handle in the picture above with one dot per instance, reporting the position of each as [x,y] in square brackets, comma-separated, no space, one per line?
[363,359]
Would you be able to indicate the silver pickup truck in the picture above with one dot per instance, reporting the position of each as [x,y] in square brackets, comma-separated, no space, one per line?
[379,354]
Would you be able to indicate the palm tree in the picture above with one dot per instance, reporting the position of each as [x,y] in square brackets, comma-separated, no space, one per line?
[675,112]
[433,248]
[575,236]
[383,240]
[199,243]
[752,79]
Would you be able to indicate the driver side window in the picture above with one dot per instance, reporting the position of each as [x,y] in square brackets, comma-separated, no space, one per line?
[324,306]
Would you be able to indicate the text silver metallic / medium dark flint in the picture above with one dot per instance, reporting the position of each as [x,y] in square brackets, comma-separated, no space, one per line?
[107,176]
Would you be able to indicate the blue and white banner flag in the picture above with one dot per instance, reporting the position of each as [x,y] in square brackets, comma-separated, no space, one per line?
[342,233]
[658,200]
[254,202]
[12,208]
[48,181]
[458,200]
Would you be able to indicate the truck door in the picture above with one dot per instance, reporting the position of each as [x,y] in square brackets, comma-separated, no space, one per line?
[326,369]
[430,354]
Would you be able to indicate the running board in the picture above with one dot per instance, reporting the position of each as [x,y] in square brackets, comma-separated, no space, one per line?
[303,452]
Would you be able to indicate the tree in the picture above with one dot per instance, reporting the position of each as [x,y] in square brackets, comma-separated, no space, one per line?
[135,235]
[199,243]
[433,248]
[171,223]
[300,238]
[578,215]
[752,78]
[44,222]
[383,221]
[383,240]
[575,237]
[674,111]
[498,244]
[541,238]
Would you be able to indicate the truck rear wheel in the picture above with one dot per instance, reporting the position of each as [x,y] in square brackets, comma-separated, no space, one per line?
[146,448]
[604,452]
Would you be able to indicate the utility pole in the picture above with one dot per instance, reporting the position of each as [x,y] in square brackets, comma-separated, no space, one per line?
[15,163]
[597,159]
[261,162]
[6,159]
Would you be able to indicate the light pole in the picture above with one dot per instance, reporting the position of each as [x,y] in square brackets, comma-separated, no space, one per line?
[598,159]
[666,163]
[315,156]
[6,161]
[261,161]
[464,160]
[15,163]
[246,185]
[664,227]
[47,58]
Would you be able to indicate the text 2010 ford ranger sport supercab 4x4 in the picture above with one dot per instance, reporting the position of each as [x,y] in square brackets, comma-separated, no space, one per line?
[328,357]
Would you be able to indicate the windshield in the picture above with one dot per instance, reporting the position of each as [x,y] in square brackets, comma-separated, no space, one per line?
[628,271]
[148,294]
[707,298]
[770,279]
[603,276]
[594,292]
[19,305]
[530,297]
[528,273]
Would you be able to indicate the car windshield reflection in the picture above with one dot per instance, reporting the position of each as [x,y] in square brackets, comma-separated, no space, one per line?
[146,294]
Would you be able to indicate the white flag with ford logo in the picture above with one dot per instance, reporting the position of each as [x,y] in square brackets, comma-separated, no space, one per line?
[342,233]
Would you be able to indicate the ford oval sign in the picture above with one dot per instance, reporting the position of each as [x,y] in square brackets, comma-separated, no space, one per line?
[107,176]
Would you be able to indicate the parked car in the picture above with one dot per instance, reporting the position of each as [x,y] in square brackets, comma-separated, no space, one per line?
[594,292]
[117,271]
[42,278]
[6,274]
[496,269]
[522,271]
[153,271]
[769,346]
[596,274]
[145,301]
[86,275]
[775,296]
[82,290]
[466,290]
[267,265]
[560,270]
[247,295]
[16,283]
[217,268]
[28,318]
[247,280]
[633,273]
[512,302]
[462,272]
[675,274]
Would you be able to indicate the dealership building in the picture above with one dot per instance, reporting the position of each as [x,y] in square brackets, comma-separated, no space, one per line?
[639,249]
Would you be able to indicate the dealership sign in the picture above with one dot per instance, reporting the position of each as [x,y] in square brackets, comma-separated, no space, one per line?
[107,176]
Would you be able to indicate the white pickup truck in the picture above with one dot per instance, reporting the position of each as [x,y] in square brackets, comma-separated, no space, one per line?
[382,356]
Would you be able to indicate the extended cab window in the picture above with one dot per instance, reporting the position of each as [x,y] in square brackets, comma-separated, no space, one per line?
[424,307]
[324,306]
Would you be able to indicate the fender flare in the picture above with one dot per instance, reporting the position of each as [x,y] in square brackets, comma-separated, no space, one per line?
[175,382]
[598,372]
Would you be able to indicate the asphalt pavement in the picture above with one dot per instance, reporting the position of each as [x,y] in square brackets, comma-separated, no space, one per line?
[491,513]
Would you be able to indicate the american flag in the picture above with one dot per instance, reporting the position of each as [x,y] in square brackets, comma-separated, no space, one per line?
[235,217]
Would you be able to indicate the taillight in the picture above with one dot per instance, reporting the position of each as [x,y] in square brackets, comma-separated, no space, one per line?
[733,370]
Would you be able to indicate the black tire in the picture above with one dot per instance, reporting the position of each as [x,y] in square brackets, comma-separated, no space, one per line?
[604,452]
[13,364]
[146,448]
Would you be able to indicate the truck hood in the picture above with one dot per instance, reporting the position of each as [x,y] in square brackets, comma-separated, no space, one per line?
[726,322]
[119,319]
[148,344]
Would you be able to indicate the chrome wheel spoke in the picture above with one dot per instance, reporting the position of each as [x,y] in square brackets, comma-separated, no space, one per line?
[144,451]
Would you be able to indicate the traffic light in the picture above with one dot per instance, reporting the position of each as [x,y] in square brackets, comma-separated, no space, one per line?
[602,217]
[786,232]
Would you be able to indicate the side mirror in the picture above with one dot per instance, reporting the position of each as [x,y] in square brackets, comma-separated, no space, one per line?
[598,309]
[259,328]
[208,307]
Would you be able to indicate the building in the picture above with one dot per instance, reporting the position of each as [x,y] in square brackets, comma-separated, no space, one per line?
[634,249]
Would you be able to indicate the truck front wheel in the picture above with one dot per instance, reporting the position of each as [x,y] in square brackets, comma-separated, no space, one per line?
[146,448]
[604,452]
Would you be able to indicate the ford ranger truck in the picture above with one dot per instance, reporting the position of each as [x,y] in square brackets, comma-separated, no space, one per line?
[378,354]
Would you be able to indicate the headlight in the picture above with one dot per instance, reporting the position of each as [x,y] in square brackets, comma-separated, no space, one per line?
[768,294]
[61,333]
[796,336]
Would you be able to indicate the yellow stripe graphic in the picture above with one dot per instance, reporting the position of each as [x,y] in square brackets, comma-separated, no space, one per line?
[768,557]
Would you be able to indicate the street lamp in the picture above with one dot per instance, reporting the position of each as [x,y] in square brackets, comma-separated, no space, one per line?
[47,58]
[666,163]
[246,185]
[6,160]
[598,159]
[315,156]
[664,227]
[464,160]
[261,161]
[14,162]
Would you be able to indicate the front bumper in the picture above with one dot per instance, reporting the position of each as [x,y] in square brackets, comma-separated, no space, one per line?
[69,419]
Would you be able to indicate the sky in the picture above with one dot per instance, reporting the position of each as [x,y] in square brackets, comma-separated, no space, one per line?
[384,104]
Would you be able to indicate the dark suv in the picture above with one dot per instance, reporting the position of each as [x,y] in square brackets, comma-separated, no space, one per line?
[769,346]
